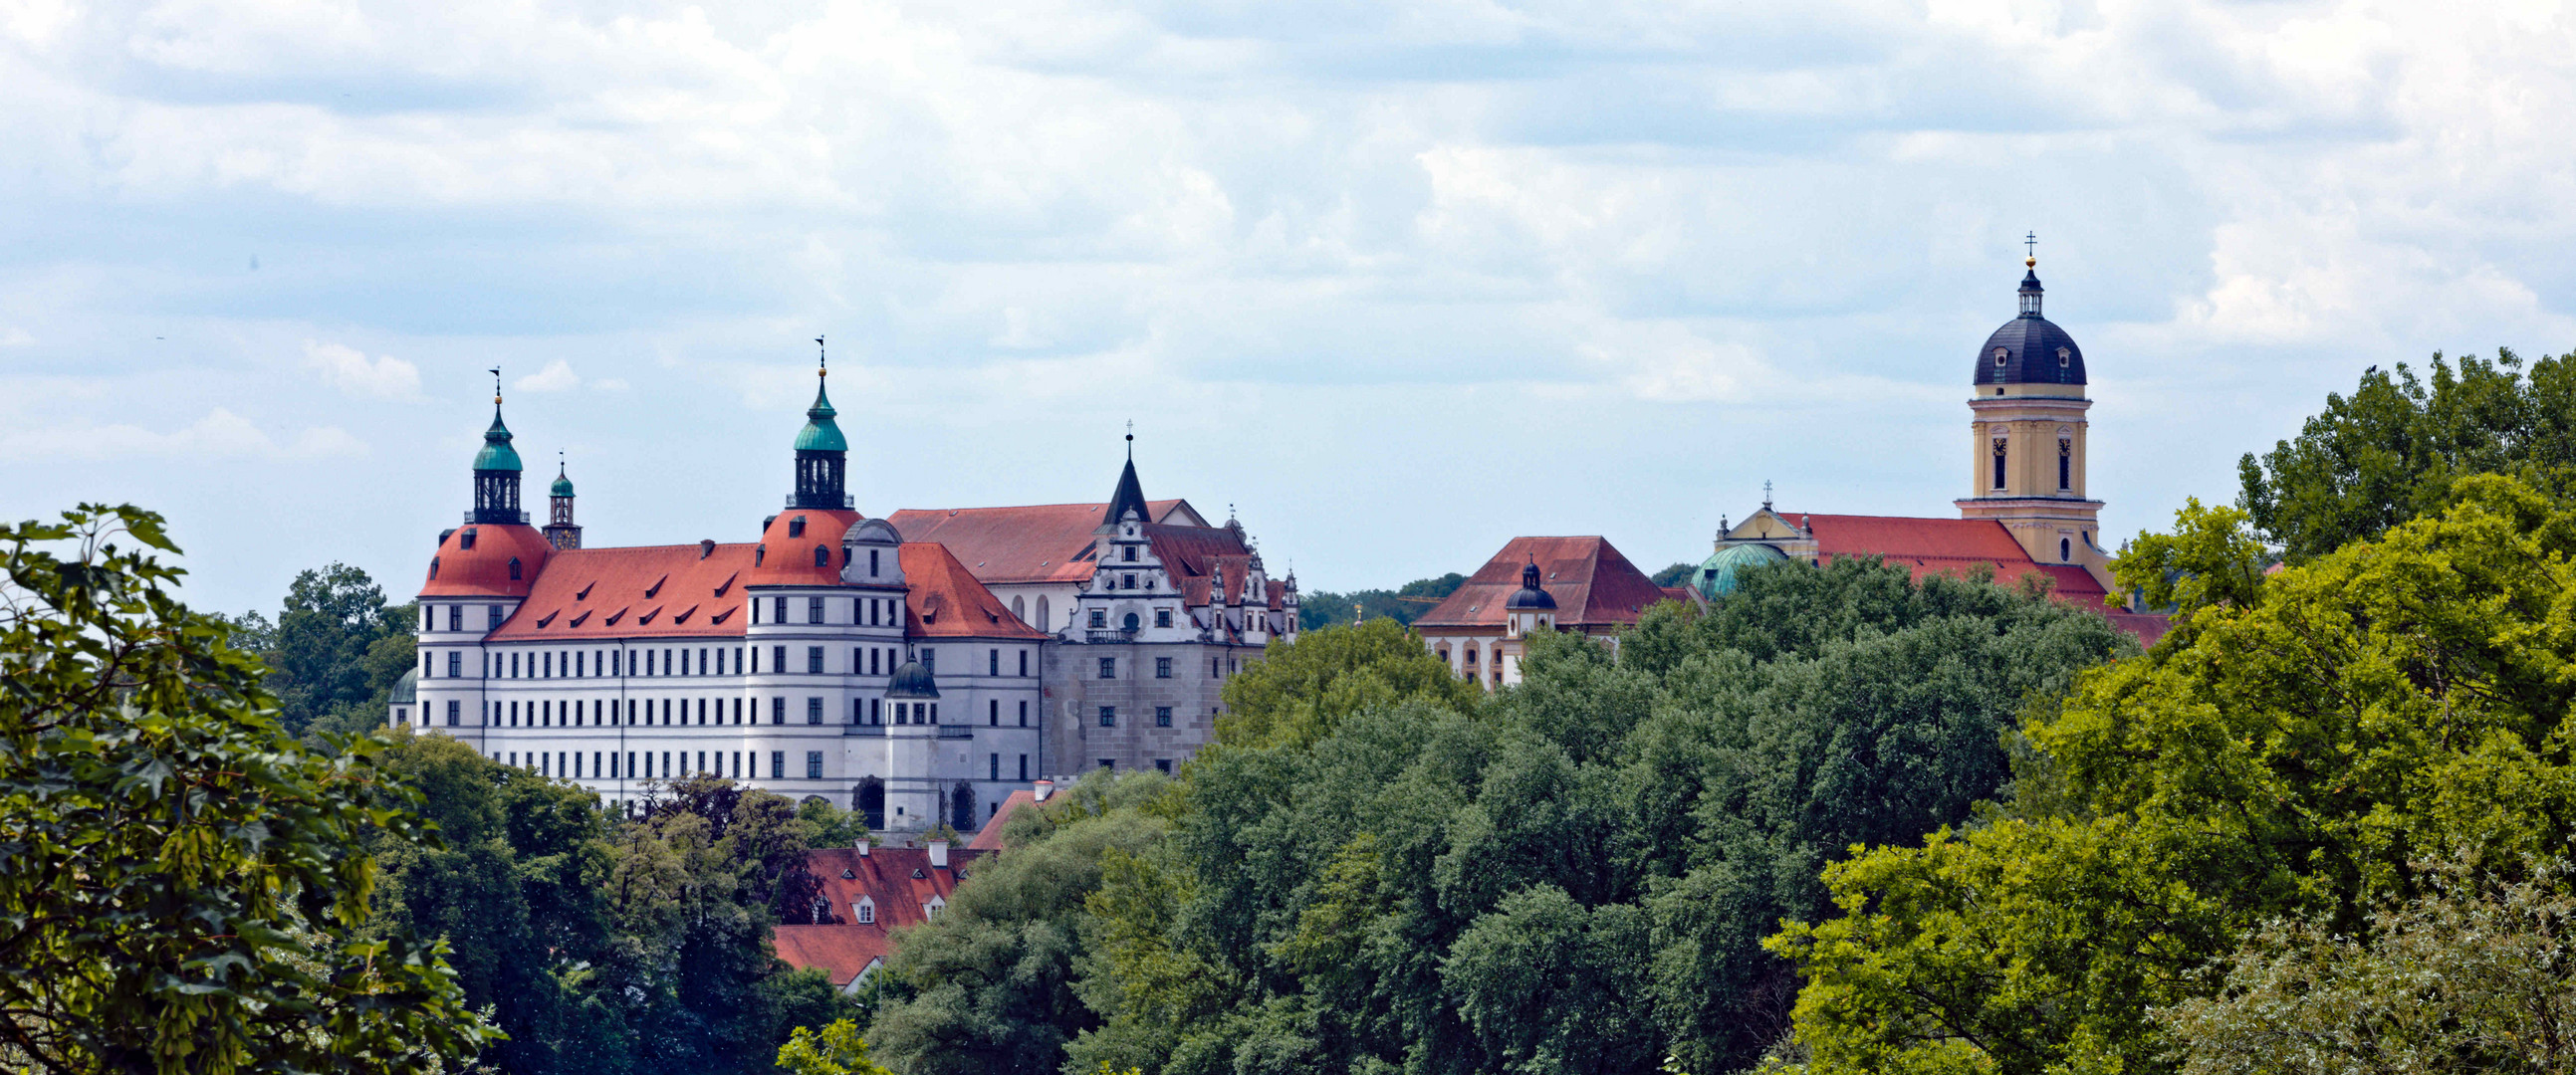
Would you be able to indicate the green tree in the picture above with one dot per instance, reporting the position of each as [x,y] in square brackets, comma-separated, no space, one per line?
[2474,974]
[2395,698]
[333,616]
[183,885]
[2394,449]
[838,1049]
[1297,691]
[1675,575]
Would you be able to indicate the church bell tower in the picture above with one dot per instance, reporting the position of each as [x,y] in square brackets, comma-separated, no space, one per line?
[2027,439]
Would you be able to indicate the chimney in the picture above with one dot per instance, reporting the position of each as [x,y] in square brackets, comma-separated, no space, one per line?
[939,854]
[1044,789]
[706,548]
[862,844]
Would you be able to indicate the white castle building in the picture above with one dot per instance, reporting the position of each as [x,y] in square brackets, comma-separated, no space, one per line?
[873,662]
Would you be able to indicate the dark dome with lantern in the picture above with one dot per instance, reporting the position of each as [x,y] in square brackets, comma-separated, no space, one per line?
[2029,349]
[913,682]
[1531,595]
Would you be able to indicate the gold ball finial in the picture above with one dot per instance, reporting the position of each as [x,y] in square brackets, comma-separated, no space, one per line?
[2030,263]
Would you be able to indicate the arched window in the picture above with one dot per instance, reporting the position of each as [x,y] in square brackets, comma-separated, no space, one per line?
[514,569]
[868,798]
[2065,462]
[2001,451]
[1130,621]
[2065,358]
[961,808]
[1020,609]
[2000,355]
[2065,549]
[822,556]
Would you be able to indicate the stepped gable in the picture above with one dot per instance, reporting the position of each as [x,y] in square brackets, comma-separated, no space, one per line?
[1594,586]
[944,600]
[1944,547]
[651,591]
[787,548]
[1033,543]
[484,569]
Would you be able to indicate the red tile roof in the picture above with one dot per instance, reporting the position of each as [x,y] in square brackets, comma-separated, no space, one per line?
[1035,543]
[484,570]
[989,838]
[790,561]
[646,591]
[1945,547]
[899,881]
[1594,586]
[844,952]
[943,599]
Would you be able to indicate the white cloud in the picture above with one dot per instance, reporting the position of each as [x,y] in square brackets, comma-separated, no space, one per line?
[556,377]
[221,434]
[349,370]
[15,337]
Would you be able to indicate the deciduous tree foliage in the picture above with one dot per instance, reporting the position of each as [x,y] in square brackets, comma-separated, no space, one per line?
[1379,870]
[182,885]
[2393,449]
[2388,702]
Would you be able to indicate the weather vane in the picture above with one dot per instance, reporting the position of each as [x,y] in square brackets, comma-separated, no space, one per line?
[822,362]
[496,386]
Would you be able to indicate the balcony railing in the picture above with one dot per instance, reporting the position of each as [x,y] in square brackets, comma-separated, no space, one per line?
[1102,638]
[956,731]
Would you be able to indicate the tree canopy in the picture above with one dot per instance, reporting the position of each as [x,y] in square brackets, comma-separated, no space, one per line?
[183,885]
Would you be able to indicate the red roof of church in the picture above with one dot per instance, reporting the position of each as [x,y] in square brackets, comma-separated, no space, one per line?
[898,881]
[484,570]
[1034,543]
[1594,586]
[1945,547]
[944,600]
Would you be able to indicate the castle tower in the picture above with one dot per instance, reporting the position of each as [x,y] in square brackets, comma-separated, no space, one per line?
[496,471]
[561,532]
[822,455]
[2027,439]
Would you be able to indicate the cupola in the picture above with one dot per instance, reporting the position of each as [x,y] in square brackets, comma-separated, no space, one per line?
[1531,596]
[496,471]
[2029,349]
[822,454]
[912,682]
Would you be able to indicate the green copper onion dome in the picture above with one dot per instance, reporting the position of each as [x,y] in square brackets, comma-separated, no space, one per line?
[497,453]
[562,486]
[1716,575]
[821,434]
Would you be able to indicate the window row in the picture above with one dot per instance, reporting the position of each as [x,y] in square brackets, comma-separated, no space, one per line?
[650,765]
[1109,716]
[863,611]
[684,661]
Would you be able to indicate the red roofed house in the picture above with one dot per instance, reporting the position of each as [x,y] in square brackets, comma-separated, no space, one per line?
[867,894]
[1535,584]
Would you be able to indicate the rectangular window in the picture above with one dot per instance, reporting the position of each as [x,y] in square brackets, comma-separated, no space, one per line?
[1162,716]
[1109,668]
[576,765]
[1024,662]
[455,664]
[993,713]
[876,710]
[993,767]
[455,617]
[777,658]
[814,660]
[493,614]
[514,665]
[813,610]
[778,610]
[873,654]
[1108,716]
[1024,766]
[813,711]
[545,764]
[1162,668]
[778,711]
[813,765]
[1024,713]
[993,662]
[546,666]
[1164,764]
[778,765]
[1099,619]
[872,561]
[929,659]
[1110,764]
[1162,617]
[453,713]
[737,660]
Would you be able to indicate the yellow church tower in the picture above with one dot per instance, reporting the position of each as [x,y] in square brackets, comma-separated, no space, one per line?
[2026,454]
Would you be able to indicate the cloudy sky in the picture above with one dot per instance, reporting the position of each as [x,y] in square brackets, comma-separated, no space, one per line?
[1398,280]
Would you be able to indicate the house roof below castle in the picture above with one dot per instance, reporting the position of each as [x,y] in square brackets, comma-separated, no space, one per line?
[1035,543]
[1595,587]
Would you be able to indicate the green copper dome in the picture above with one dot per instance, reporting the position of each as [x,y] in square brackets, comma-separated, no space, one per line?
[913,682]
[1716,575]
[821,434]
[497,453]
[562,486]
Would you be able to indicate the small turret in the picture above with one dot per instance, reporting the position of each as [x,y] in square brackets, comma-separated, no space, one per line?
[496,471]
[561,532]
[822,454]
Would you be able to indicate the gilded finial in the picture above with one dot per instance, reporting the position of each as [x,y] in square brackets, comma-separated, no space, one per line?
[822,362]
[2030,250]
[496,386]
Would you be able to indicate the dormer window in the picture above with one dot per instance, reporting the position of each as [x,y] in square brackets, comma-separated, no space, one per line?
[465,538]
[2065,358]
[433,569]
[514,569]
[864,911]
[796,527]
[822,556]
[2000,355]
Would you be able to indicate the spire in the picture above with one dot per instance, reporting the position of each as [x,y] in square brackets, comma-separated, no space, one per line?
[822,454]
[496,471]
[563,483]
[561,531]
[1131,493]
[2030,275]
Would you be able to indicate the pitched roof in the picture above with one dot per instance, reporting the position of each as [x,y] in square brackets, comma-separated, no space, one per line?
[897,880]
[989,838]
[1594,586]
[1130,496]
[1034,543]
[644,591]
[1944,547]
[844,952]
[943,599]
